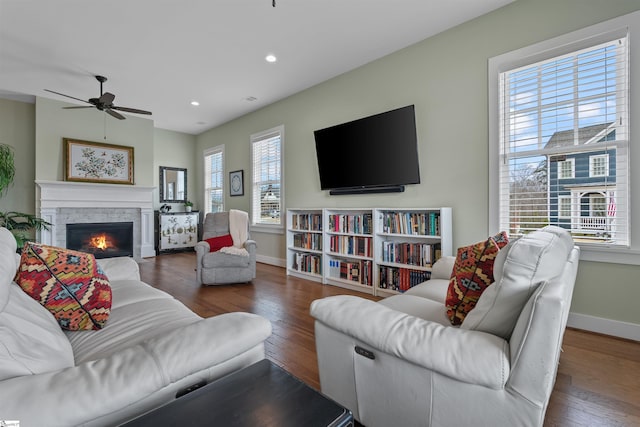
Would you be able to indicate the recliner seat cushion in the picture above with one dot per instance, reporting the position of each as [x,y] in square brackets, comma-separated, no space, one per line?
[221,260]
[519,268]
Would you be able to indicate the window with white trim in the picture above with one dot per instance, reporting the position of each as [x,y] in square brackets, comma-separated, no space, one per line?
[267,179]
[564,206]
[599,165]
[566,169]
[561,104]
[214,180]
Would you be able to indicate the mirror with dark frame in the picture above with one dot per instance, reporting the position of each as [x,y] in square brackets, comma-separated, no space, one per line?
[173,185]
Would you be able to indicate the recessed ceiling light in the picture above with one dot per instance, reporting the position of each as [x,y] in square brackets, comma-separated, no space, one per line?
[270,58]
[195,103]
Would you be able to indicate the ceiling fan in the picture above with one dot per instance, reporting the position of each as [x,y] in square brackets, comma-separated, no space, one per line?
[104,102]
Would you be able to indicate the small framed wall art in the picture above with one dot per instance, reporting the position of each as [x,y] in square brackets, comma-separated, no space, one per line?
[87,161]
[236,183]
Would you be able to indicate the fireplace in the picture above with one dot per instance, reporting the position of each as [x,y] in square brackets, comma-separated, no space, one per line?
[102,239]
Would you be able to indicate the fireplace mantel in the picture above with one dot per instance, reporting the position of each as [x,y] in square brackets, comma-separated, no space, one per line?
[54,195]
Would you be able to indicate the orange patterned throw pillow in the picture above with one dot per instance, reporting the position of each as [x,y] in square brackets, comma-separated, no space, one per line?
[472,274]
[70,284]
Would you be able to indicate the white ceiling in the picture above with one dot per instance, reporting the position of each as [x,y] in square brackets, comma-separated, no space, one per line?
[159,55]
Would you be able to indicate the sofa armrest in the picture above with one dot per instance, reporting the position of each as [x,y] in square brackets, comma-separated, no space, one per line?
[120,268]
[469,356]
[109,385]
[443,268]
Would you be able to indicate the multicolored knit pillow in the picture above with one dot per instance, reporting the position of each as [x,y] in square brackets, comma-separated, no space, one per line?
[70,284]
[472,274]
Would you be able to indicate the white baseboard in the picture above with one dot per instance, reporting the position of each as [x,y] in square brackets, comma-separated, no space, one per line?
[601,325]
[279,262]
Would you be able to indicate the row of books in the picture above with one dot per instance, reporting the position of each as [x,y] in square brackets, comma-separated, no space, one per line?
[311,222]
[356,271]
[308,241]
[357,224]
[420,254]
[401,279]
[413,223]
[351,245]
[308,263]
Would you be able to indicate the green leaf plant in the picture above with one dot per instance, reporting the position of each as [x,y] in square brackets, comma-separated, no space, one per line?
[20,224]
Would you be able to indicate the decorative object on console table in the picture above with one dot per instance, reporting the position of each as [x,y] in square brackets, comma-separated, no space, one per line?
[87,161]
[177,230]
[188,206]
[236,183]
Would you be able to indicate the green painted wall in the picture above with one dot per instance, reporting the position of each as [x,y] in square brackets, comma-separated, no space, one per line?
[446,78]
[17,129]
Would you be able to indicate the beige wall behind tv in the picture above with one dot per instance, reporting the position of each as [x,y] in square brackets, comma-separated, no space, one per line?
[445,77]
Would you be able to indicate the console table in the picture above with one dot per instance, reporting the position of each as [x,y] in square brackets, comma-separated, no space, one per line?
[261,395]
[176,230]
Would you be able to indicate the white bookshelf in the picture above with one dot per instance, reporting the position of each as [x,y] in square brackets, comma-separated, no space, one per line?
[361,241]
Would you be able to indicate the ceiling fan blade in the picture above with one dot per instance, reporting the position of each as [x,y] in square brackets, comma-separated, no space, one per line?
[114,114]
[131,110]
[68,96]
[106,98]
[79,106]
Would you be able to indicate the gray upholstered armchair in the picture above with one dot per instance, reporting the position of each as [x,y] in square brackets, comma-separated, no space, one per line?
[217,268]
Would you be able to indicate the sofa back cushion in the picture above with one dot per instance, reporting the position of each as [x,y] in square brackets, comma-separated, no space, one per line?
[70,284]
[518,270]
[32,341]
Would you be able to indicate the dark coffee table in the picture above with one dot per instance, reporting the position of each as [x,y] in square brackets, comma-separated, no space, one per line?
[259,395]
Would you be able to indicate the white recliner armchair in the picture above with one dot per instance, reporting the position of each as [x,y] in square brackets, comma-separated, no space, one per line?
[400,362]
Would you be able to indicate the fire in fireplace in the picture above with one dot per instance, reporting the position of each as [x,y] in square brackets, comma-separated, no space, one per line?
[103,240]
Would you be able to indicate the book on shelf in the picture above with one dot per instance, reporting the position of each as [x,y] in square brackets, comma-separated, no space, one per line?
[308,241]
[307,263]
[418,254]
[351,245]
[412,223]
[307,221]
[359,271]
[401,279]
[351,223]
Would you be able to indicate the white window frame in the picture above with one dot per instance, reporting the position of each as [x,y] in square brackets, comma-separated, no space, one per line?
[627,25]
[276,228]
[561,200]
[592,164]
[572,172]
[206,184]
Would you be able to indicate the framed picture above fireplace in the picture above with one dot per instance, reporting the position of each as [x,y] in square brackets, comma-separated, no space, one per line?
[87,161]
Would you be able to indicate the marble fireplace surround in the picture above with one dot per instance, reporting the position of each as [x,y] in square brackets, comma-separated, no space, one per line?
[61,202]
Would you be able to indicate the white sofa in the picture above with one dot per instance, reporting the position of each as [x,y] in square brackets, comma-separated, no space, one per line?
[497,369]
[151,348]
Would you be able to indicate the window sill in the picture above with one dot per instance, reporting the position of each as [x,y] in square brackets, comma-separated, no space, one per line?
[610,255]
[267,229]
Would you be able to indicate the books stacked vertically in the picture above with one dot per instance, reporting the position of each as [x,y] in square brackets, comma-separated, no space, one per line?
[351,245]
[312,222]
[308,263]
[419,254]
[411,223]
[401,279]
[351,223]
[308,241]
[359,271]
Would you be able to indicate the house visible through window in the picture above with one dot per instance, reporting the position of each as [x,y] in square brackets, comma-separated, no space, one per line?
[563,141]
[599,165]
[267,188]
[566,169]
[214,179]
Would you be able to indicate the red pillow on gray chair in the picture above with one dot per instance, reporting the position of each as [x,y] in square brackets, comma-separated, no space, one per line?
[217,243]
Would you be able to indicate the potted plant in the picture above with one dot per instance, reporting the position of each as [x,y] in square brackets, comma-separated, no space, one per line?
[20,224]
[188,205]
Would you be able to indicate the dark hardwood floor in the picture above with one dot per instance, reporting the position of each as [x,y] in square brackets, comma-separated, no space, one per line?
[598,382]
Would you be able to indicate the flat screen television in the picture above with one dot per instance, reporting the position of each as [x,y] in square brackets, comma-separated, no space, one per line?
[374,154]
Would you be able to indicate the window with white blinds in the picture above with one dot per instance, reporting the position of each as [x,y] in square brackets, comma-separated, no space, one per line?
[214,179]
[267,188]
[563,140]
